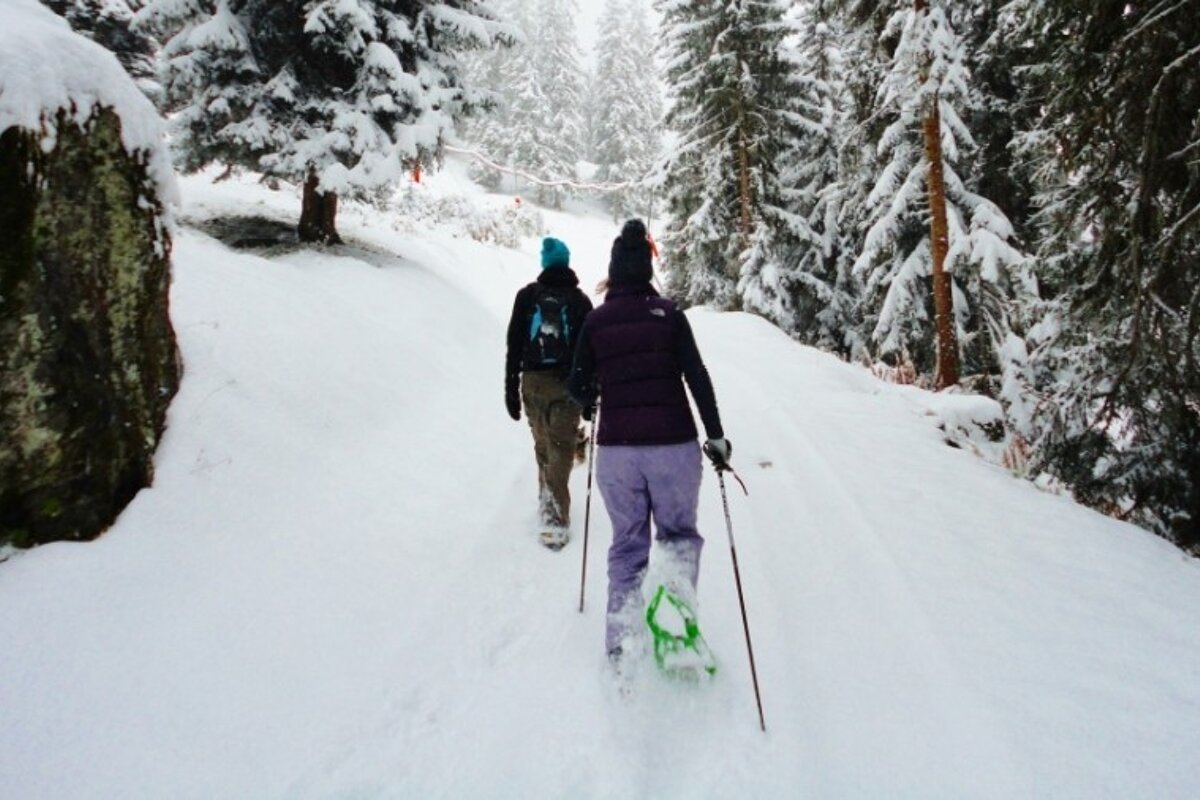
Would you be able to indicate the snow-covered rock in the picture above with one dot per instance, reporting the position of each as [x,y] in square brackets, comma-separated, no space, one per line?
[88,362]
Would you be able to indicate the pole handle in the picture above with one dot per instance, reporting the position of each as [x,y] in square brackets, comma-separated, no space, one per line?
[724,466]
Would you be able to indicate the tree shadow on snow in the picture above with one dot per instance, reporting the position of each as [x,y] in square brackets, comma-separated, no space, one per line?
[269,238]
[260,234]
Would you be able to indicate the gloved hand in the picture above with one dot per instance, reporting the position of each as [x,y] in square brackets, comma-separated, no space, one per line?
[588,412]
[719,452]
[512,401]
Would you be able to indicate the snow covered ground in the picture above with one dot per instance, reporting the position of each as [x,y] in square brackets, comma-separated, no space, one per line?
[334,588]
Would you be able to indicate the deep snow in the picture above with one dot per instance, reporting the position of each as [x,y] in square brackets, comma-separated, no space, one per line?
[334,588]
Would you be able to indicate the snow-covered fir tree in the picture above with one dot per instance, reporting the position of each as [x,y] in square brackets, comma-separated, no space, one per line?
[1002,111]
[530,145]
[344,96]
[808,288]
[561,87]
[733,110]
[109,23]
[536,127]
[1117,156]
[627,106]
[496,71]
[926,222]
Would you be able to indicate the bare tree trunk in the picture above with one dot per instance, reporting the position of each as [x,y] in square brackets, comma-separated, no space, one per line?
[318,214]
[943,296]
[744,187]
[745,201]
[310,205]
[329,205]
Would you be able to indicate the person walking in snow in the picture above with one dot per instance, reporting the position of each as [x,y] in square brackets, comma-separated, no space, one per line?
[546,318]
[634,353]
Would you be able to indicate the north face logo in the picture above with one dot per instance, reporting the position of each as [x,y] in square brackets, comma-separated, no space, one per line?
[658,312]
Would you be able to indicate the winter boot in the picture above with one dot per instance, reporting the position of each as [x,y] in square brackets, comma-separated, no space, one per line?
[555,538]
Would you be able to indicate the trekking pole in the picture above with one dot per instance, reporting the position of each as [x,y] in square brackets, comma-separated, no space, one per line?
[721,469]
[587,513]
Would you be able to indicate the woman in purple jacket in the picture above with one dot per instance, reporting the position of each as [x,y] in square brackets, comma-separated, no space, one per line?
[635,351]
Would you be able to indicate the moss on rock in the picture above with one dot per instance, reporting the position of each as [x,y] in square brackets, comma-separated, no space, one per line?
[88,362]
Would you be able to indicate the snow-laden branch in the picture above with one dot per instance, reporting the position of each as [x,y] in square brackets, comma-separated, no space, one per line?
[1155,15]
[556,182]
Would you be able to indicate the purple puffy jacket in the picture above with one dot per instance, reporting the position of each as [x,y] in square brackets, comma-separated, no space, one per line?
[635,351]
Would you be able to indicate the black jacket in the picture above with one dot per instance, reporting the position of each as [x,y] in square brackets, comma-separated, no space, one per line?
[578,307]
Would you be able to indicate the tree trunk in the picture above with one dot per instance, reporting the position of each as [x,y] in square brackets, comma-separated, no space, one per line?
[745,201]
[943,298]
[318,214]
[943,295]
[744,187]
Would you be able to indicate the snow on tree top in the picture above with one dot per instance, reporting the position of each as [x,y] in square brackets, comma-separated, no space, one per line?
[45,67]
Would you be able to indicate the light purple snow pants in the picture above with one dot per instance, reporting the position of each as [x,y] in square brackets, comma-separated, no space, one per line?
[637,482]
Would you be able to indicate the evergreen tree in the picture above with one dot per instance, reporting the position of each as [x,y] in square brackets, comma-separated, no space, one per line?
[1002,110]
[809,288]
[682,38]
[733,110]
[627,105]
[998,172]
[530,145]
[496,71]
[537,124]
[344,97]
[559,117]
[109,24]
[855,45]
[606,80]
[927,226]
[1117,151]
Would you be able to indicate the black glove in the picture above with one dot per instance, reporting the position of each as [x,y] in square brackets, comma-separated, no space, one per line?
[588,412]
[719,451]
[512,401]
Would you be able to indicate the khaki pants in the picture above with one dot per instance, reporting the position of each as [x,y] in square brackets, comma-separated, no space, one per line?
[554,419]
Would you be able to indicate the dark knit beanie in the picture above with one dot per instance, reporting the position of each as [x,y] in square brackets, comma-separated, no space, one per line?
[630,262]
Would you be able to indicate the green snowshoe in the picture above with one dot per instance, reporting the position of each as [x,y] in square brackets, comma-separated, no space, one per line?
[679,649]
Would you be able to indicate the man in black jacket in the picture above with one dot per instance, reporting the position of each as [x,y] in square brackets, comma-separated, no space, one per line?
[546,318]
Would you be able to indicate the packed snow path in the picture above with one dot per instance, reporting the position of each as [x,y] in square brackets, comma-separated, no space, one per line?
[335,588]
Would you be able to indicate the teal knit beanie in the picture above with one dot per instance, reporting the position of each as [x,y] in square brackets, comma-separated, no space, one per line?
[555,254]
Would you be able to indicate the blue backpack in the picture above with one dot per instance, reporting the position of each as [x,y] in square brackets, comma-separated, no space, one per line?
[549,343]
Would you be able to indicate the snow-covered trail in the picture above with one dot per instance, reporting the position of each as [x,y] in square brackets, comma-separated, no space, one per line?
[334,588]
[888,694]
[951,626]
